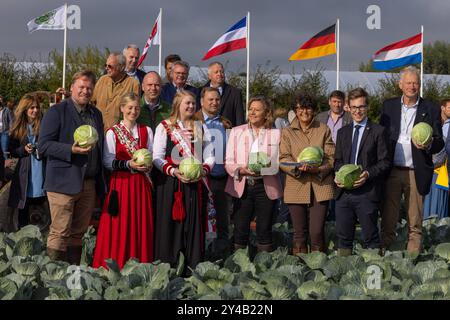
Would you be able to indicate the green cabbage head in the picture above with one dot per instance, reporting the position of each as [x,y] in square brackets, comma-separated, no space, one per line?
[191,168]
[348,174]
[311,155]
[422,133]
[257,161]
[85,136]
[142,157]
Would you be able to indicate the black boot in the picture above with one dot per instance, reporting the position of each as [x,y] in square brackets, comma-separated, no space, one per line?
[74,255]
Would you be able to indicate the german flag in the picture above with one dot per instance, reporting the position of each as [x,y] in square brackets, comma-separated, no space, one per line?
[322,44]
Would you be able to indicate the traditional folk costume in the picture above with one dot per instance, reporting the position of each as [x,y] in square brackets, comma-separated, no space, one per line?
[126,228]
[181,208]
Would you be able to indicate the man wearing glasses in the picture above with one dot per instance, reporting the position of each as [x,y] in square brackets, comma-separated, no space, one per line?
[111,87]
[179,75]
[412,169]
[363,143]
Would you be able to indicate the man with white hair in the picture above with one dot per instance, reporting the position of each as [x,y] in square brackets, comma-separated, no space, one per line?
[132,54]
[231,106]
[412,169]
[111,87]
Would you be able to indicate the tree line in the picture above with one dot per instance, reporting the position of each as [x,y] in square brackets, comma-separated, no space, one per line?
[17,78]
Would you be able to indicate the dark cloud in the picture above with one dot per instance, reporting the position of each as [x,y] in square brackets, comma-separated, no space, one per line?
[278,28]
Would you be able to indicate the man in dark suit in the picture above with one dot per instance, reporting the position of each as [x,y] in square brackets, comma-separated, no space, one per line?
[364,143]
[231,106]
[412,169]
[179,75]
[132,53]
[74,175]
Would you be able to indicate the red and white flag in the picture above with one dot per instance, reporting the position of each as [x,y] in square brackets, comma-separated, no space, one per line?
[154,38]
[233,39]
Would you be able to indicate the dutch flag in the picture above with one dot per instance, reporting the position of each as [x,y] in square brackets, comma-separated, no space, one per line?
[235,38]
[402,53]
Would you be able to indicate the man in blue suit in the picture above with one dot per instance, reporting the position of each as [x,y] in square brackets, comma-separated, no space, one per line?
[73,174]
[179,75]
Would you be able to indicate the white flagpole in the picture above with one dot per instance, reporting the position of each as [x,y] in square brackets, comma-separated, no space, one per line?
[248,65]
[421,68]
[160,40]
[65,47]
[337,54]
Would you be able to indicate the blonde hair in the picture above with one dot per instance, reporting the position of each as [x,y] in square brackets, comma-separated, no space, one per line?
[267,110]
[129,97]
[19,128]
[175,114]
[280,113]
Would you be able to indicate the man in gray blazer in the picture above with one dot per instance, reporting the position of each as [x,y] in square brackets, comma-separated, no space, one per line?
[336,117]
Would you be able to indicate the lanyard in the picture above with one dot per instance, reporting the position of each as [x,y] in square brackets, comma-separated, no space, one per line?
[407,123]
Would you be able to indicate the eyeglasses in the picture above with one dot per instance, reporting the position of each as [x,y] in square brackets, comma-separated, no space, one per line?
[310,110]
[358,108]
[108,66]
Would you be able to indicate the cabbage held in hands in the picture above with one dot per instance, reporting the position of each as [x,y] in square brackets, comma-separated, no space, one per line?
[348,174]
[143,157]
[190,168]
[422,133]
[85,136]
[257,161]
[311,155]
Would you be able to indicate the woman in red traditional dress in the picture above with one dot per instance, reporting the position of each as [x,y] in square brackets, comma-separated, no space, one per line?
[181,204]
[126,224]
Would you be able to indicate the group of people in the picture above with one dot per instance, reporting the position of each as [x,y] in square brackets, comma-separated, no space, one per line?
[156,213]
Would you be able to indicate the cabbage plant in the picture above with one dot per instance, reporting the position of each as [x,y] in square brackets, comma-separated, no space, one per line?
[257,161]
[85,136]
[421,133]
[191,168]
[142,157]
[348,174]
[311,155]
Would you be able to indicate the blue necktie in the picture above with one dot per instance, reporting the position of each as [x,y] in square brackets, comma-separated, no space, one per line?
[355,144]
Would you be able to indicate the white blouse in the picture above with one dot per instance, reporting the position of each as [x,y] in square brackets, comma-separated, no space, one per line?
[159,147]
[109,149]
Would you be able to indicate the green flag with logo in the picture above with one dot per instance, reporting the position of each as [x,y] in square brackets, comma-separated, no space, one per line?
[52,20]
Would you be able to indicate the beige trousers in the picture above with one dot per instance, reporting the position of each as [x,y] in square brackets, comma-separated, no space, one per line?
[402,181]
[71,215]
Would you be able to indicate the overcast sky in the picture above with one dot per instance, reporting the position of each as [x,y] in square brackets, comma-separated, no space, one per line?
[278,28]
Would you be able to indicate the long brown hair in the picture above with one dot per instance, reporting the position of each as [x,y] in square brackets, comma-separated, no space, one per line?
[175,114]
[19,127]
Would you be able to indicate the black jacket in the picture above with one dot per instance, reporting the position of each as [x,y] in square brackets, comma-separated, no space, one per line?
[422,159]
[373,156]
[231,105]
[19,183]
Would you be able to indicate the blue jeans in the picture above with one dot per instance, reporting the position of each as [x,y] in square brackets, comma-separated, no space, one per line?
[4,142]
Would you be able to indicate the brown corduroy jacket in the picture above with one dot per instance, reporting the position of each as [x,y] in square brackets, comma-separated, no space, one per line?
[299,184]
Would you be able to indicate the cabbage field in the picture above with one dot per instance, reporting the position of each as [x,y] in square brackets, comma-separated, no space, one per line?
[27,273]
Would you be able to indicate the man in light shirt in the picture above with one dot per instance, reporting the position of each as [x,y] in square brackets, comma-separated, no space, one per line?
[412,168]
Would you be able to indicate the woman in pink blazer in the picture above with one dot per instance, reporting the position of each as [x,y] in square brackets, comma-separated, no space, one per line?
[255,192]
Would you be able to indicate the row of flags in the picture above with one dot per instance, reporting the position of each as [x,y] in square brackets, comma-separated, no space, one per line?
[401,53]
